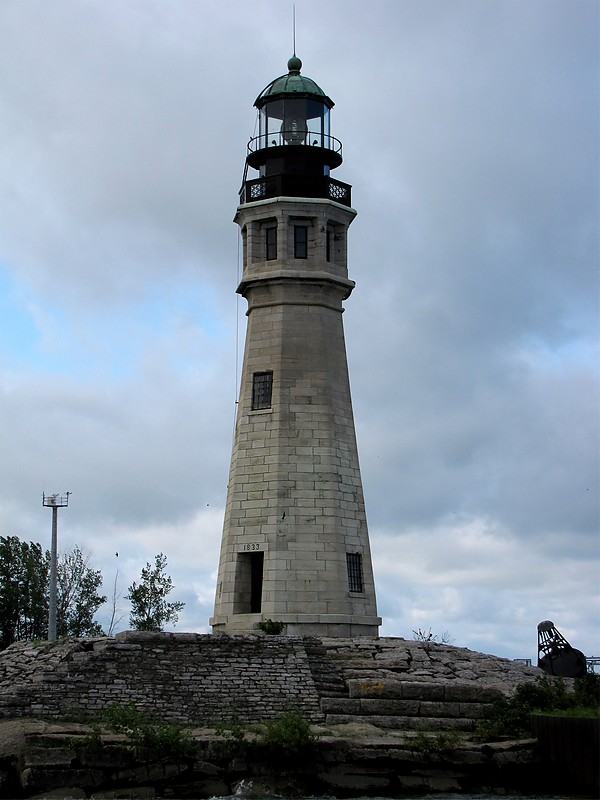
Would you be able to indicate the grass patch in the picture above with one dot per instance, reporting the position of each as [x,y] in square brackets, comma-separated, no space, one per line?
[577,711]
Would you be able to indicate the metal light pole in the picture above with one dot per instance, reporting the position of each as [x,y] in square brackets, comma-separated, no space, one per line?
[54,501]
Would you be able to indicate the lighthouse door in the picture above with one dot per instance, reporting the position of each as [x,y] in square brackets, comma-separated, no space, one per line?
[248,583]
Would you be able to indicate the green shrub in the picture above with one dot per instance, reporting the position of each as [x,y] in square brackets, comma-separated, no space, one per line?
[287,735]
[587,690]
[89,741]
[281,740]
[233,744]
[170,740]
[271,628]
[511,716]
[125,719]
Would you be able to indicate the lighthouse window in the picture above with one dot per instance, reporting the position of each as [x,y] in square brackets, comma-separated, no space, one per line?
[355,576]
[300,241]
[262,390]
[271,243]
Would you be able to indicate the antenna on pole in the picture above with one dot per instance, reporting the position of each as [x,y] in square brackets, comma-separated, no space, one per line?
[54,501]
[294,25]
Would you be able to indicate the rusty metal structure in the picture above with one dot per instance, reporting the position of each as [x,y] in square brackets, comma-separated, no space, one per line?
[555,654]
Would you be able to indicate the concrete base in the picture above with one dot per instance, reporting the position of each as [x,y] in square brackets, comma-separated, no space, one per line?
[328,625]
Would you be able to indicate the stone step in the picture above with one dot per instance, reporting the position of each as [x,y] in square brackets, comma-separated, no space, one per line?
[326,673]
[404,723]
[364,665]
[331,689]
[405,708]
[393,689]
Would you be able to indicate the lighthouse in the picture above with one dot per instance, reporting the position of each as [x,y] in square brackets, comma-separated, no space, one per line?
[295,545]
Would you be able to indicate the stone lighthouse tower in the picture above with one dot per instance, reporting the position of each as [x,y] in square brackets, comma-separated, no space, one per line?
[295,545]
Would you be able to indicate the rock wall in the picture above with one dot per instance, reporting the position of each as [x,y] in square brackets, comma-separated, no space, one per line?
[185,678]
[392,658]
[62,761]
[199,679]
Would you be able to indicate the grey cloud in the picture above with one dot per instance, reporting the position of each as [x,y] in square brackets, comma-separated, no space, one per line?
[470,136]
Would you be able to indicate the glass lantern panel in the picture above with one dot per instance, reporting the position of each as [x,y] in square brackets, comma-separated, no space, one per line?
[318,124]
[294,121]
[269,124]
[294,127]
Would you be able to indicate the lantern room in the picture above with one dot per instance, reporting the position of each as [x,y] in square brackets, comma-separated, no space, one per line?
[294,151]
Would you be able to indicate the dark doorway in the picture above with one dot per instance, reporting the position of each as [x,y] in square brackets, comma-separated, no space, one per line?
[248,583]
[256,579]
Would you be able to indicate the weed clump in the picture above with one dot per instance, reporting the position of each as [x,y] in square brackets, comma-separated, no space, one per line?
[282,740]
[154,736]
[436,743]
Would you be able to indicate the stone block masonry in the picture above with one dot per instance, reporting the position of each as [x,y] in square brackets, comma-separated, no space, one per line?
[198,679]
[295,508]
[186,678]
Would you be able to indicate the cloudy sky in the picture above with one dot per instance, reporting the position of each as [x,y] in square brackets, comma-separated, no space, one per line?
[470,132]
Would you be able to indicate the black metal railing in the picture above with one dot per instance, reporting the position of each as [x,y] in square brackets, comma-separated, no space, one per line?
[295,138]
[296,186]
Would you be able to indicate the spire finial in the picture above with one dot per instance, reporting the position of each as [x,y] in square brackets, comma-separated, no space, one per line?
[294,25]
[294,64]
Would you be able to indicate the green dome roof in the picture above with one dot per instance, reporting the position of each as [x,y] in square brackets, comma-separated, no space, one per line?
[292,85]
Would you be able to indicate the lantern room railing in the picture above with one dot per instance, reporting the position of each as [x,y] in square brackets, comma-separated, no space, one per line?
[294,137]
[296,186]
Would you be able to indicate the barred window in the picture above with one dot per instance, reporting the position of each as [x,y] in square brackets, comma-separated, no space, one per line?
[262,390]
[355,576]
[300,241]
[271,243]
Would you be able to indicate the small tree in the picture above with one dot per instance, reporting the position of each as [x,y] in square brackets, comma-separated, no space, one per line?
[78,598]
[115,616]
[427,636]
[23,591]
[149,609]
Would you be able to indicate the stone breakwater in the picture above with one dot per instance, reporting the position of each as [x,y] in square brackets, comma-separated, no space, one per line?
[373,702]
[60,760]
[196,679]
